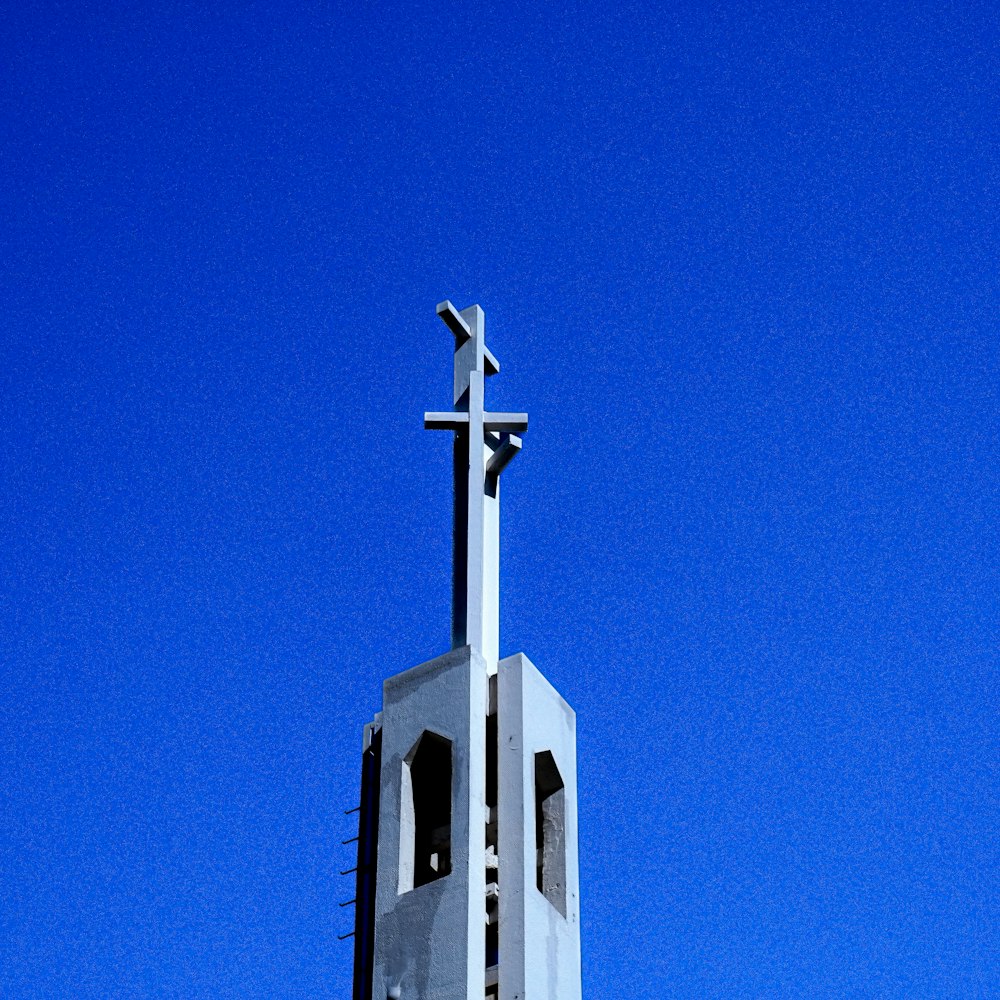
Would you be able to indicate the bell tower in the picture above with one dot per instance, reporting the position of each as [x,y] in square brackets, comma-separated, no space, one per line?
[467,872]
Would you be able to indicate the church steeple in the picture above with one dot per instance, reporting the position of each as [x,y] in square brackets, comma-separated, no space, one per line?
[467,874]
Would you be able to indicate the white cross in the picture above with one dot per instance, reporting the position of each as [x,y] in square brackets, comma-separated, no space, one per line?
[484,445]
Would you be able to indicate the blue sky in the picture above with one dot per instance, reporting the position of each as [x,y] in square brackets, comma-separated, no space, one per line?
[739,263]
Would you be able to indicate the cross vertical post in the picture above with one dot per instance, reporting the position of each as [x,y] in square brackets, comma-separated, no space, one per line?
[484,444]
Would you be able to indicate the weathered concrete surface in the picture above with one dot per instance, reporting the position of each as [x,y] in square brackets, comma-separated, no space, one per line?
[539,947]
[429,941]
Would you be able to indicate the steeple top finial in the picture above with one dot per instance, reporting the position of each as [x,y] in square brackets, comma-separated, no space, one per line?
[471,352]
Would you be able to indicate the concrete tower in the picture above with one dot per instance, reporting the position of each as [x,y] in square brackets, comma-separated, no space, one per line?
[467,874]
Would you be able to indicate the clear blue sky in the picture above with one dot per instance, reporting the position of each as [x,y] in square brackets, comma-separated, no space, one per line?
[739,263]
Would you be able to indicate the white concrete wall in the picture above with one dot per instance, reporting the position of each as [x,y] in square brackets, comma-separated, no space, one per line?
[430,942]
[539,947]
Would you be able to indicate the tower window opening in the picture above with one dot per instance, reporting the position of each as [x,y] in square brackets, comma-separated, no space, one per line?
[492,771]
[425,814]
[550,831]
[492,860]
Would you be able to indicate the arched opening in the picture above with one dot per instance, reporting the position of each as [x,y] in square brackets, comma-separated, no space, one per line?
[425,813]
[550,831]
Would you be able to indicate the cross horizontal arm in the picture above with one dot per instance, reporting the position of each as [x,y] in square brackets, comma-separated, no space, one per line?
[454,321]
[513,423]
[491,365]
[445,421]
[509,423]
